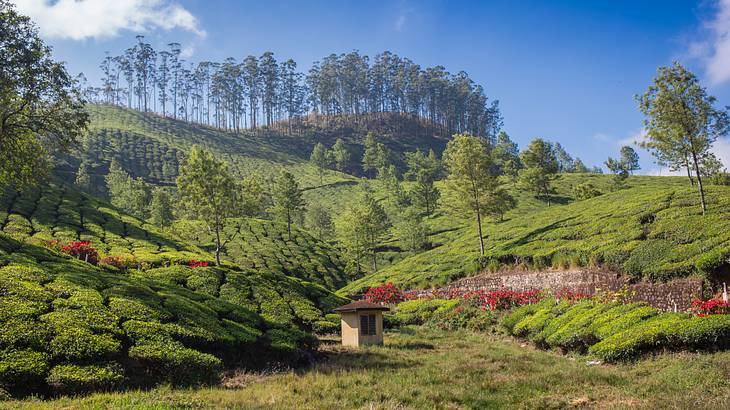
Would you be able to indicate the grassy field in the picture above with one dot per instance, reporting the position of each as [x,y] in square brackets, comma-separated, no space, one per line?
[421,368]
[653,229]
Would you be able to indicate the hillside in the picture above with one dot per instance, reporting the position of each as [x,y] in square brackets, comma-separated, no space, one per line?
[152,147]
[652,230]
[264,245]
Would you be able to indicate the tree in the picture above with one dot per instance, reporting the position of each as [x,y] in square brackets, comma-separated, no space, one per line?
[541,165]
[507,156]
[681,121]
[287,198]
[41,108]
[83,179]
[341,155]
[579,167]
[423,193]
[500,201]
[370,155]
[411,232]
[630,159]
[375,224]
[208,191]
[254,198]
[470,182]
[565,161]
[320,221]
[129,194]
[160,208]
[620,171]
[320,159]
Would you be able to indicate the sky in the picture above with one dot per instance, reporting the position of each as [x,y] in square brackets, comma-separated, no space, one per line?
[566,71]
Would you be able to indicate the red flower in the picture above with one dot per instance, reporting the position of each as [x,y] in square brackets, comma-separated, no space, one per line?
[82,250]
[197,264]
[387,293]
[710,307]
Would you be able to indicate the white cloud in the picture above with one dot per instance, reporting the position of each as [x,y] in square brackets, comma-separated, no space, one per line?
[714,51]
[400,22]
[633,139]
[83,19]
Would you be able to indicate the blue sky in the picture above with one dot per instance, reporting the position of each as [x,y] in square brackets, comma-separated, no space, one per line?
[562,70]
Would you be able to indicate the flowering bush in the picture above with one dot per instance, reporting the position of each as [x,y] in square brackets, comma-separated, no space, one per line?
[387,293]
[503,299]
[122,262]
[710,307]
[197,264]
[82,250]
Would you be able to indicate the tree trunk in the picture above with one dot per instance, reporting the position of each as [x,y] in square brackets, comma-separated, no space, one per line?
[689,171]
[699,183]
[481,238]
[217,247]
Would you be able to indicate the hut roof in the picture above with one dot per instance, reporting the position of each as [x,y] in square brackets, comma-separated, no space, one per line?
[360,305]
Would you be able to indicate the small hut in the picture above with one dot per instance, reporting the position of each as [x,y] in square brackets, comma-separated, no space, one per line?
[362,323]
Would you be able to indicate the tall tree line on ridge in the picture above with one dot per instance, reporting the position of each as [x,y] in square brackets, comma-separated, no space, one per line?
[260,91]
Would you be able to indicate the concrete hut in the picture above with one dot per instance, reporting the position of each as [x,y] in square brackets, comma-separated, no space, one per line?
[362,323]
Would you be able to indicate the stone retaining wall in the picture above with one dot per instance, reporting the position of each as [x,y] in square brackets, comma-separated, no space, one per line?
[665,296]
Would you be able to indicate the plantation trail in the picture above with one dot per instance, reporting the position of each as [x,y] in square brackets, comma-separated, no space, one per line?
[674,295]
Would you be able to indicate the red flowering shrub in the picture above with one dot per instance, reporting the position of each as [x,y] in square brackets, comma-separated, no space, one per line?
[82,250]
[122,262]
[710,307]
[503,299]
[387,293]
[51,244]
[197,264]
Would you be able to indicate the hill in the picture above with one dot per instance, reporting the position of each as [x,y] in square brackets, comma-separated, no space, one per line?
[652,230]
[68,324]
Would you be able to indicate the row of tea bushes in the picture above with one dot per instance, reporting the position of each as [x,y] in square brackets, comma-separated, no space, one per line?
[615,331]
[67,326]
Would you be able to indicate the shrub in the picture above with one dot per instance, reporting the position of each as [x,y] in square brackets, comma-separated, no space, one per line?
[710,307]
[585,190]
[387,293]
[198,264]
[624,322]
[73,379]
[462,316]
[82,250]
[560,321]
[121,262]
[712,332]
[76,343]
[575,334]
[325,327]
[720,178]
[516,315]
[658,332]
[711,262]
[173,362]
[22,367]
[533,324]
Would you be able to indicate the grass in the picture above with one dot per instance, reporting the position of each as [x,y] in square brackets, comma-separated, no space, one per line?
[422,368]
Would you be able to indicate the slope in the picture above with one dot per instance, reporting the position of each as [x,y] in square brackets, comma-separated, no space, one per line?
[652,230]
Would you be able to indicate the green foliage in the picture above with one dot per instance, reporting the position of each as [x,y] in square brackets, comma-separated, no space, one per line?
[585,191]
[22,368]
[160,208]
[173,362]
[42,108]
[74,379]
[411,231]
[419,311]
[288,201]
[320,159]
[654,333]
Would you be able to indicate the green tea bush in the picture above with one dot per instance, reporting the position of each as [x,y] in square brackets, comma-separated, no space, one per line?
[462,316]
[575,335]
[21,369]
[74,379]
[510,320]
[418,311]
[558,322]
[77,343]
[711,262]
[655,333]
[623,322]
[173,362]
[710,332]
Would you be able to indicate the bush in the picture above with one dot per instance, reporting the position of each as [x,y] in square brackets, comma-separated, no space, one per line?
[585,190]
[74,379]
[82,250]
[720,178]
[22,368]
[712,332]
[554,325]
[576,334]
[462,316]
[324,327]
[658,332]
[711,262]
[76,343]
[121,262]
[625,322]
[387,293]
[516,315]
[173,362]
[533,324]
[417,312]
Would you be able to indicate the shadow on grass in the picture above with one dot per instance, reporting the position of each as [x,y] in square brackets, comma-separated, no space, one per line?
[356,360]
[412,346]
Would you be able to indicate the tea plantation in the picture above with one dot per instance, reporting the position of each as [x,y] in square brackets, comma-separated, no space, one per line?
[653,230]
[264,245]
